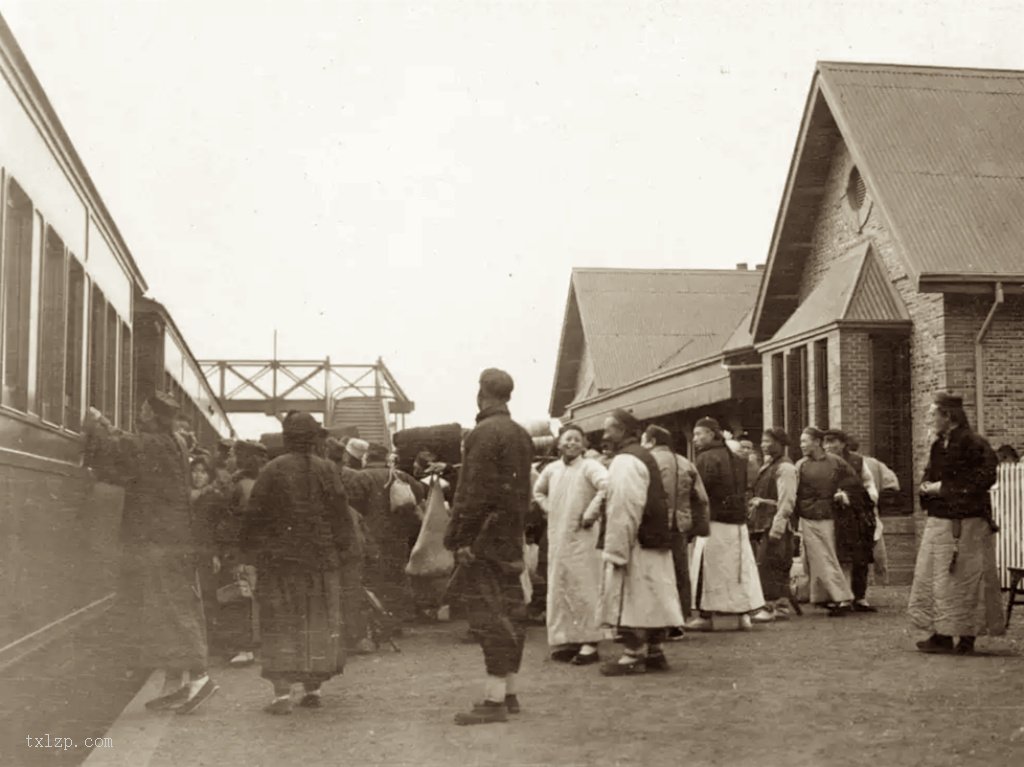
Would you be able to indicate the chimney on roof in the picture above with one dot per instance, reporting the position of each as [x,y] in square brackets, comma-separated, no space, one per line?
[741,267]
[759,267]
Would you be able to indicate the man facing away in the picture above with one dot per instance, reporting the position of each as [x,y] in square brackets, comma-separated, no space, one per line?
[956,585]
[684,490]
[486,534]
[639,596]
[162,540]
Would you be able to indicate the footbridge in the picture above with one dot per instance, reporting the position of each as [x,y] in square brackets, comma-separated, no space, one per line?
[363,399]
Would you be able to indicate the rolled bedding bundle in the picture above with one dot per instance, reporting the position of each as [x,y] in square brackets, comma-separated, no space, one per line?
[444,441]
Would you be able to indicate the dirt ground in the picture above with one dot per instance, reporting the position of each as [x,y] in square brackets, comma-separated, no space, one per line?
[813,691]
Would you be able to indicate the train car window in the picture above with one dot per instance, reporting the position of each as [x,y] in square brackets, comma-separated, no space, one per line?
[97,349]
[52,326]
[17,286]
[126,377]
[74,345]
[110,366]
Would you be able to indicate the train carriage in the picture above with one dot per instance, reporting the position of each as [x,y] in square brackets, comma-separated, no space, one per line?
[74,327]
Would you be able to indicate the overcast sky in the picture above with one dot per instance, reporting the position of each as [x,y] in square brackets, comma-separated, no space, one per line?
[416,180]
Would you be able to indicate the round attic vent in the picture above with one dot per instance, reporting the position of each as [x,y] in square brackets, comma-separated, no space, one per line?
[856,191]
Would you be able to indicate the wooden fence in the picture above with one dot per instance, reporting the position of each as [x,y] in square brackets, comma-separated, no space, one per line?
[1008,510]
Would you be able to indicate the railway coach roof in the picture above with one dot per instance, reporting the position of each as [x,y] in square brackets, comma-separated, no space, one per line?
[15,67]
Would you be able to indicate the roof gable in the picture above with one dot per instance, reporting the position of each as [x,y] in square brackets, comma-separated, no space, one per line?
[942,153]
[855,289]
[634,322]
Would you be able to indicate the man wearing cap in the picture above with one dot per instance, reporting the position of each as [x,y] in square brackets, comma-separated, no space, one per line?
[855,528]
[727,581]
[355,452]
[161,544]
[299,533]
[770,511]
[956,584]
[639,595]
[486,534]
[822,483]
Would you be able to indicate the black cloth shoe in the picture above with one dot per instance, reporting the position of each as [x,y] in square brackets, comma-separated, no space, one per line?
[512,704]
[205,692]
[585,660]
[838,611]
[864,607]
[279,706]
[484,712]
[564,654]
[965,646]
[936,644]
[311,700]
[637,666]
[656,661]
[172,700]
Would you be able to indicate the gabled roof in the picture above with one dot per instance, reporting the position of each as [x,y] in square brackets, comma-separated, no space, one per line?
[941,151]
[634,322]
[855,289]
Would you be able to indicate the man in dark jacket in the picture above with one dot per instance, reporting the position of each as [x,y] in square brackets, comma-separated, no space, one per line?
[486,534]
[389,530]
[162,541]
[728,582]
[855,529]
[956,585]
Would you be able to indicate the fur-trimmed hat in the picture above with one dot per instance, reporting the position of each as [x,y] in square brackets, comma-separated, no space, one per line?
[163,404]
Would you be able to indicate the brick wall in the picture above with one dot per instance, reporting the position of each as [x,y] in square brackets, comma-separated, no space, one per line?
[1003,349]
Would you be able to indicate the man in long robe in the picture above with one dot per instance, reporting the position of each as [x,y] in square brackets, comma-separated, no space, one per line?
[161,544]
[684,490]
[771,509]
[570,492]
[639,597]
[956,585]
[727,581]
[486,534]
[855,541]
[819,498]
[298,531]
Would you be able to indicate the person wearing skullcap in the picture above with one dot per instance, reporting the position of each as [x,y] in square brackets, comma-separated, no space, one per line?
[163,543]
[771,509]
[956,585]
[723,567]
[824,481]
[298,533]
[486,533]
[639,595]
[570,494]
[855,527]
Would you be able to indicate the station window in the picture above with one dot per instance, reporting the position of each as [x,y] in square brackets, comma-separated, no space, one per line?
[17,286]
[778,390]
[74,339]
[52,327]
[821,383]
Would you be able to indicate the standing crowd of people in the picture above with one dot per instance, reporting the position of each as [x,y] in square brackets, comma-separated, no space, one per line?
[297,558]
